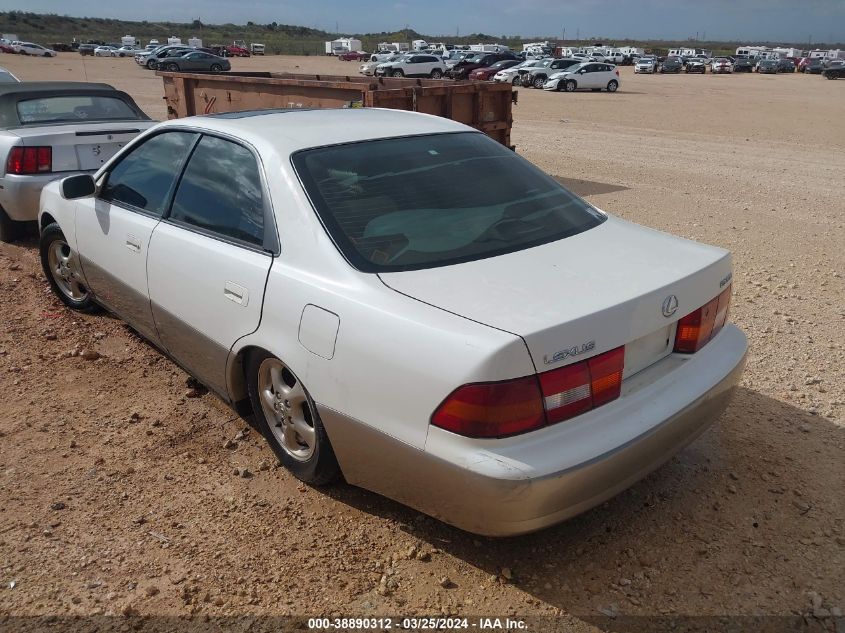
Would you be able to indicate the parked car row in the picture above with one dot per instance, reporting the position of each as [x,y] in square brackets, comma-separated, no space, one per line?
[177,58]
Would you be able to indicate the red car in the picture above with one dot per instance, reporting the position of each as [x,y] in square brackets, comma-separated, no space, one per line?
[486,74]
[233,50]
[353,56]
[7,49]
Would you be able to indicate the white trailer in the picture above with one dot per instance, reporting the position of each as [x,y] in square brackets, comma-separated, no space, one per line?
[401,47]
[419,45]
[488,48]
[631,51]
[10,37]
[256,49]
[128,40]
[342,45]
[789,52]
[174,41]
[195,42]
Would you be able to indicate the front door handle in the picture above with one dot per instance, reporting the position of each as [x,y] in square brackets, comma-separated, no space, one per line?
[236,293]
[133,243]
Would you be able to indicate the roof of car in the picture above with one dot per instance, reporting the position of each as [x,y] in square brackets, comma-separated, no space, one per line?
[48,86]
[291,130]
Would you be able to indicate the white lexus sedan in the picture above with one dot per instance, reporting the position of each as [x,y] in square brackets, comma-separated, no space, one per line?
[502,356]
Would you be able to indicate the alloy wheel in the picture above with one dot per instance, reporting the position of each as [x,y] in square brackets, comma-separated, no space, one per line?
[287,409]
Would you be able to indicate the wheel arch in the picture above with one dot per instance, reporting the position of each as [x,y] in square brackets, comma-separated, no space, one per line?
[45,220]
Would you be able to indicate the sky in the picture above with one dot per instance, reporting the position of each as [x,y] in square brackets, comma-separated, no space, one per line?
[730,20]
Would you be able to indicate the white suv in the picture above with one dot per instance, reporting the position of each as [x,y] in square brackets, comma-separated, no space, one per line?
[590,76]
[413,66]
[28,48]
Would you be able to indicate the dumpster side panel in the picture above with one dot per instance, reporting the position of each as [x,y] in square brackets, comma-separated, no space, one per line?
[485,106]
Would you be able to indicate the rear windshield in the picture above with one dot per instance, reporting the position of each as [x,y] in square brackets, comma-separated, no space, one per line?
[73,108]
[428,201]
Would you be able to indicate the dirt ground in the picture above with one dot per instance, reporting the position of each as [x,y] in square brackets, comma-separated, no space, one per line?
[118,492]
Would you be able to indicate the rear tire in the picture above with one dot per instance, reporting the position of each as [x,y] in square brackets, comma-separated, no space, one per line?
[612,85]
[55,255]
[9,229]
[281,405]
[436,74]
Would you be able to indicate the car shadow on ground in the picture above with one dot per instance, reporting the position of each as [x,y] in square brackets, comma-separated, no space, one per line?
[588,187]
[747,520]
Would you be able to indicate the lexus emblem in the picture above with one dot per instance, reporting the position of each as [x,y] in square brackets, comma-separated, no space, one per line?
[670,306]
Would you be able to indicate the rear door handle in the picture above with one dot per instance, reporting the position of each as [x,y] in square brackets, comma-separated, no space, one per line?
[133,243]
[236,293]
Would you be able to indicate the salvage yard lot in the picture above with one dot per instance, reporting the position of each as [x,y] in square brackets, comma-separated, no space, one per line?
[118,487]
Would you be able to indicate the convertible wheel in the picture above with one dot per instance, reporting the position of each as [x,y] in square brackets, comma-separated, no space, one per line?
[570,86]
[9,229]
[612,85]
[58,262]
[288,419]
[216,68]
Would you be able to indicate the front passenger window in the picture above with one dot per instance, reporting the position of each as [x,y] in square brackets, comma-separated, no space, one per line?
[220,192]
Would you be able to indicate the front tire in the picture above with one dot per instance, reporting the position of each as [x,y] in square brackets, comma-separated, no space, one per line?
[216,68]
[612,85]
[286,416]
[539,81]
[397,73]
[570,86]
[57,261]
[515,81]
[173,68]
[150,64]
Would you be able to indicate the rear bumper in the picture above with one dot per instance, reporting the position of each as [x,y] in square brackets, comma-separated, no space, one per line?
[20,195]
[498,492]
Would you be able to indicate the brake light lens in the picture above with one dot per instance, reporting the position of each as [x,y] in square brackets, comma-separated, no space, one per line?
[697,328]
[493,409]
[501,409]
[29,160]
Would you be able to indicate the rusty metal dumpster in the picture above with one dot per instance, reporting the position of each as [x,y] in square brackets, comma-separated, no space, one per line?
[486,106]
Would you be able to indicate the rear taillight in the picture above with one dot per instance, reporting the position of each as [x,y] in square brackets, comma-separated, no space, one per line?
[500,409]
[699,327]
[492,409]
[29,160]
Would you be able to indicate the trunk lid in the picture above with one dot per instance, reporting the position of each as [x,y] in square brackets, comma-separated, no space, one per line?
[582,295]
[82,147]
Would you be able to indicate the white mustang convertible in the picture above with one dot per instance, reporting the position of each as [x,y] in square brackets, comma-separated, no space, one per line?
[400,299]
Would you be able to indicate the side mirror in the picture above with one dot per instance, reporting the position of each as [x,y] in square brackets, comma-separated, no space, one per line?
[81,186]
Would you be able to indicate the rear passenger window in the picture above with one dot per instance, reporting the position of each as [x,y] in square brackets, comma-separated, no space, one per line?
[144,178]
[220,192]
